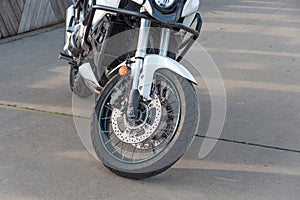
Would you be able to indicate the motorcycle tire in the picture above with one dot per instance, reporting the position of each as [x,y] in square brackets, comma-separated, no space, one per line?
[174,147]
[77,84]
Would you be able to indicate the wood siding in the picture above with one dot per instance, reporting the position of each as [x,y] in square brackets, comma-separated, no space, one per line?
[19,16]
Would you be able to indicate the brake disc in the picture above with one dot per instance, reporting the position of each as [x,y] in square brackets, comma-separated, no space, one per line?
[133,132]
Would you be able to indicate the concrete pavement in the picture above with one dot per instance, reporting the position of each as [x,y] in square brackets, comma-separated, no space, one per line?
[256,46]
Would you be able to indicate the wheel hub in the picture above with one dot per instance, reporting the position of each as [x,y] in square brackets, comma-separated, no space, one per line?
[138,130]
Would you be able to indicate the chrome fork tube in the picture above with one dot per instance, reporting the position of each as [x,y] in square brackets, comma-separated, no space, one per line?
[164,41]
[141,51]
[134,97]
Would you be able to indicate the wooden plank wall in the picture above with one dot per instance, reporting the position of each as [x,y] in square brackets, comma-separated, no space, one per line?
[19,16]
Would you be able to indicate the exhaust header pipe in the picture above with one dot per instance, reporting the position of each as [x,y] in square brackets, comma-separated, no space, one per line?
[86,72]
[70,23]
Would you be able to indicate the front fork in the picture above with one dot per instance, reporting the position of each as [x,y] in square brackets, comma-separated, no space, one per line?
[137,67]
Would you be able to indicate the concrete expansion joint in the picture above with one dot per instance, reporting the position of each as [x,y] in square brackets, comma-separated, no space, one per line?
[251,144]
[39,110]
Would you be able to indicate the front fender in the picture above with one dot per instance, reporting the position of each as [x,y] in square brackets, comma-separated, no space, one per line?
[154,62]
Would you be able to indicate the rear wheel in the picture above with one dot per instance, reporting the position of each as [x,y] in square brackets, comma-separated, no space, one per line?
[77,84]
[149,145]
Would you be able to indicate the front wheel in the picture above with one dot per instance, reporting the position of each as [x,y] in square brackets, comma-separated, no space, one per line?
[151,144]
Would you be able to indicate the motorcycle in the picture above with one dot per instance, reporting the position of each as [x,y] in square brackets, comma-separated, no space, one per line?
[146,112]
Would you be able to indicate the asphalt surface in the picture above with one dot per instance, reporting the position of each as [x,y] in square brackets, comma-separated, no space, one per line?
[256,46]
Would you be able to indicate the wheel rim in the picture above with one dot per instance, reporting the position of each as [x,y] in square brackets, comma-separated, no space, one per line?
[136,141]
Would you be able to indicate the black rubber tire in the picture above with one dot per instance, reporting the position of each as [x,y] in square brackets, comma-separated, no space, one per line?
[173,152]
[77,84]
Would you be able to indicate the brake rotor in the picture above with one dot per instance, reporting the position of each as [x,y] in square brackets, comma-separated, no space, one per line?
[133,132]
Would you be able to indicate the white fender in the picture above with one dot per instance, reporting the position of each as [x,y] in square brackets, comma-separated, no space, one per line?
[154,62]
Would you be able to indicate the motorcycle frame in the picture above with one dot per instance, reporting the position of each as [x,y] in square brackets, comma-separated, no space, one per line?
[188,44]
